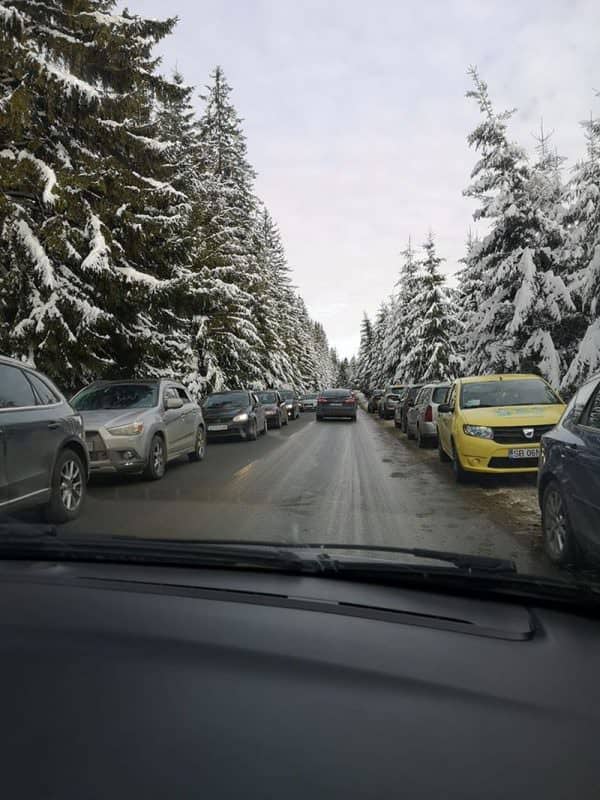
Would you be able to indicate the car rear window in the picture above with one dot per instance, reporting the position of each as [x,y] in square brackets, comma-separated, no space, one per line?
[524,392]
[336,393]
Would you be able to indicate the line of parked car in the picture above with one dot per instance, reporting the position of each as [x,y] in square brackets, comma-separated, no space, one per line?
[504,424]
[50,446]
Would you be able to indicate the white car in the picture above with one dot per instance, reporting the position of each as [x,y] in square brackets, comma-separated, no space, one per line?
[421,421]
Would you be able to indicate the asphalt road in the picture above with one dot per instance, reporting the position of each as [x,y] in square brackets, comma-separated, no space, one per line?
[333,481]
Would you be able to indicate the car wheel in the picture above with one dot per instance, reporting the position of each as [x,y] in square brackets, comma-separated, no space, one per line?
[354,418]
[279,422]
[443,456]
[285,419]
[252,431]
[420,440]
[265,428]
[199,450]
[67,488]
[460,474]
[157,462]
[559,542]
[409,433]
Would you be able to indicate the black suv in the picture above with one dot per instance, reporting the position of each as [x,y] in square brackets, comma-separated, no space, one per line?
[43,456]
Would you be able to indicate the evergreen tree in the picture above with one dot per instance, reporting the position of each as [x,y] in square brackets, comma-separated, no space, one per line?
[429,355]
[400,334]
[522,298]
[87,215]
[342,378]
[380,375]
[582,254]
[364,366]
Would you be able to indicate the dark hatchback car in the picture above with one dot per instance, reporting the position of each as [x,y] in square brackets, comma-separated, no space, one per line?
[407,402]
[236,413]
[292,403]
[275,408]
[43,456]
[569,480]
[336,403]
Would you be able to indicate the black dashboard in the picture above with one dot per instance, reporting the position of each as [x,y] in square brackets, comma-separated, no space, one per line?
[130,681]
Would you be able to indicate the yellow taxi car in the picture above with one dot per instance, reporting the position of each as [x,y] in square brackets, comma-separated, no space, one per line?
[493,423]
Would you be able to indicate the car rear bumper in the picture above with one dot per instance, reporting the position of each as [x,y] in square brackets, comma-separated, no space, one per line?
[428,430]
[336,411]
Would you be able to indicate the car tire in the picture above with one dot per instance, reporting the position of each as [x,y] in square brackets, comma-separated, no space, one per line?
[421,441]
[252,431]
[265,427]
[403,425]
[354,418]
[199,451]
[157,461]
[559,541]
[442,454]
[279,423]
[285,419]
[68,488]
[409,433]
[460,474]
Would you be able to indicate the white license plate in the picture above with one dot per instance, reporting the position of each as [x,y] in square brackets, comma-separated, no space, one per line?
[524,452]
[218,427]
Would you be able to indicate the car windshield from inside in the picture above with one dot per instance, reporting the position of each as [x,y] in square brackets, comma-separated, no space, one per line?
[117,396]
[267,398]
[225,399]
[516,392]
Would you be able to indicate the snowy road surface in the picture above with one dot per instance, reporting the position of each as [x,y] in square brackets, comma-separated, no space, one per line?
[333,481]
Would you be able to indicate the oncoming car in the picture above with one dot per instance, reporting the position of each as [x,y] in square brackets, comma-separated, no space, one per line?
[493,423]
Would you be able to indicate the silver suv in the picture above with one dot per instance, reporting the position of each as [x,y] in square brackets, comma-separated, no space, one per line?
[421,418]
[138,426]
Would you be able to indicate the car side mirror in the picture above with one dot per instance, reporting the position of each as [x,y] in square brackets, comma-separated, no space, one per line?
[173,402]
[445,408]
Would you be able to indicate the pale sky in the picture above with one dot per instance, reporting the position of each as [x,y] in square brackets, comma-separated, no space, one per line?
[356,118]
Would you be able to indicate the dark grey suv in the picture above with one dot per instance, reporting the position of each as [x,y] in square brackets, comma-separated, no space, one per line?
[43,457]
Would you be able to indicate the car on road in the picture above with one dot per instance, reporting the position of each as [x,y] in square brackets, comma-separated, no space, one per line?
[336,403]
[275,408]
[421,419]
[373,402]
[292,402]
[139,426]
[237,413]
[493,424]
[308,402]
[389,400]
[404,406]
[569,481]
[43,457]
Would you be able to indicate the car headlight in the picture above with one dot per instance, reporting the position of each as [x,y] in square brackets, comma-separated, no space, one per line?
[289,405]
[243,417]
[131,429]
[481,431]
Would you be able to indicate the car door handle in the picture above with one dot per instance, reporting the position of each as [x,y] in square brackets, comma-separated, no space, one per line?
[53,425]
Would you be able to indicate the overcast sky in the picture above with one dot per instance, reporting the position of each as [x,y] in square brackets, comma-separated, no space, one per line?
[356,118]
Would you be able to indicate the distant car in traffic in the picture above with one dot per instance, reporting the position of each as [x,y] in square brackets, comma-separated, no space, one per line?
[237,413]
[292,403]
[139,426]
[407,401]
[308,402]
[421,420]
[389,400]
[43,457]
[569,480]
[275,408]
[373,402]
[494,423]
[336,403]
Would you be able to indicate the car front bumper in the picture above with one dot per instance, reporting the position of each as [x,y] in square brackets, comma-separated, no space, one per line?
[112,454]
[489,457]
[216,430]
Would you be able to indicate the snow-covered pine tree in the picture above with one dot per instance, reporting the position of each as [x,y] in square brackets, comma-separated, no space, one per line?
[86,211]
[342,378]
[582,255]
[325,369]
[226,341]
[380,375]
[522,298]
[398,334]
[364,365]
[431,356]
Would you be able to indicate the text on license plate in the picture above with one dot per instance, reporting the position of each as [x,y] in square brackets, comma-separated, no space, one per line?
[524,452]
[217,427]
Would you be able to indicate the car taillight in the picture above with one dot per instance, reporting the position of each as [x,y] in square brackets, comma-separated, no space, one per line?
[428,414]
[321,400]
[349,400]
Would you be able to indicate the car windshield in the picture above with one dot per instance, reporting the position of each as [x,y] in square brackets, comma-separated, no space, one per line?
[507,393]
[120,396]
[202,203]
[226,399]
[268,398]
[439,394]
